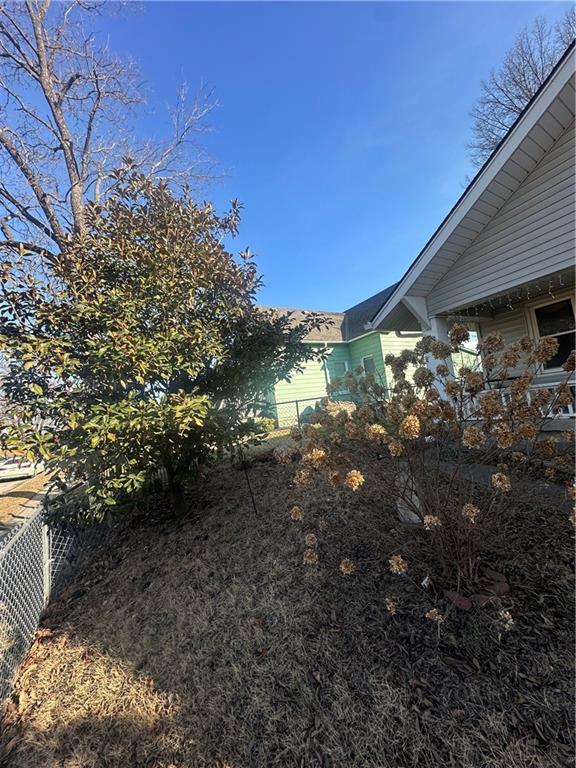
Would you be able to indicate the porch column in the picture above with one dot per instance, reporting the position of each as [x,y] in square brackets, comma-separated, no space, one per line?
[438,327]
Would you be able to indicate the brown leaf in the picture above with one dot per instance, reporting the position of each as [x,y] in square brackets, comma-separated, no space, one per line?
[494,575]
[500,588]
[481,600]
[458,600]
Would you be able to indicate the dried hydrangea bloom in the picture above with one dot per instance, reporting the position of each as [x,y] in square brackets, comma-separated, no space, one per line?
[303,477]
[397,565]
[470,512]
[323,524]
[518,457]
[434,615]
[458,334]
[375,432]
[550,474]
[431,521]
[335,438]
[440,350]
[365,413]
[504,435]
[474,381]
[310,540]
[570,364]
[296,513]
[432,394]
[501,482]
[526,431]
[347,567]
[354,479]
[473,437]
[564,396]
[545,349]
[335,479]
[282,456]
[509,359]
[317,457]
[541,398]
[410,427]
[521,385]
[396,448]
[296,434]
[571,491]
[391,604]
[442,370]
[490,405]
[492,342]
[352,430]
[423,377]
[310,556]
[546,448]
[420,408]
[452,388]
[506,619]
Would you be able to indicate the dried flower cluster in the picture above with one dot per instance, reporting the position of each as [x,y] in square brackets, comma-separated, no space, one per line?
[354,479]
[434,615]
[397,565]
[438,419]
[347,567]
[296,513]
[470,512]
[501,482]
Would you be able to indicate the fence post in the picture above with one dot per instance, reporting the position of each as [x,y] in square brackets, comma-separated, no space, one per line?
[297,413]
[46,564]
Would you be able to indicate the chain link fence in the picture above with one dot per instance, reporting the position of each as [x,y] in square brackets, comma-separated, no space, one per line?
[294,413]
[37,559]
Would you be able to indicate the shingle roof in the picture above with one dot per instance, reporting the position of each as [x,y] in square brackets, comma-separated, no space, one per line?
[346,325]
[333,332]
[360,314]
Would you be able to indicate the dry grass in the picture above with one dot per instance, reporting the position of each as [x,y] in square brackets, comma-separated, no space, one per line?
[212,645]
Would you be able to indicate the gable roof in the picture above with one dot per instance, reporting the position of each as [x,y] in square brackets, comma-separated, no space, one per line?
[347,325]
[541,123]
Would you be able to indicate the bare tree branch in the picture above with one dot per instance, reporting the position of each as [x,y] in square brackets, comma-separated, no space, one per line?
[64,122]
[526,66]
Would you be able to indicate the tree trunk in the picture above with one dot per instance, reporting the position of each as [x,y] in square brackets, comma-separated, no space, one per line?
[175,492]
[177,499]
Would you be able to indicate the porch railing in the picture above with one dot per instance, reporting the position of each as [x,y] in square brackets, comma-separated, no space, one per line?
[471,409]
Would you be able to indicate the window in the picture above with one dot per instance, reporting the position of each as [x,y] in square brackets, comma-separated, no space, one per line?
[368,364]
[338,369]
[557,320]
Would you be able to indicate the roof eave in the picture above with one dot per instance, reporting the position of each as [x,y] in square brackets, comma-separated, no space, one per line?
[529,117]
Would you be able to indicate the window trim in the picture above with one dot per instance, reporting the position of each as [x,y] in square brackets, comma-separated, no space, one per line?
[533,320]
[345,390]
[366,357]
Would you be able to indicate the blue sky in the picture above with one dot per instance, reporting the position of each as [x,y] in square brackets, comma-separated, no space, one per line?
[342,127]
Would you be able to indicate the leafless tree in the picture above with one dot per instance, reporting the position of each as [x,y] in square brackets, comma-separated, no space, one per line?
[66,103]
[504,95]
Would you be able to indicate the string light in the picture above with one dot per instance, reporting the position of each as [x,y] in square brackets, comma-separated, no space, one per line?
[510,299]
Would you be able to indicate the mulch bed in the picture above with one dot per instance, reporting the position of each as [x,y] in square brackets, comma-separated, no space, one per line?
[208,643]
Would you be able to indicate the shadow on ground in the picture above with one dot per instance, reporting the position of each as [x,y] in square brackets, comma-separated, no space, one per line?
[211,644]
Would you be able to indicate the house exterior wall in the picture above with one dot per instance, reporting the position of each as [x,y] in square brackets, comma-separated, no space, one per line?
[369,346]
[393,343]
[308,386]
[531,236]
[518,322]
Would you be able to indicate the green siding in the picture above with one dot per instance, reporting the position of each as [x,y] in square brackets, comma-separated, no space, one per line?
[308,385]
[392,344]
[369,346]
[311,382]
